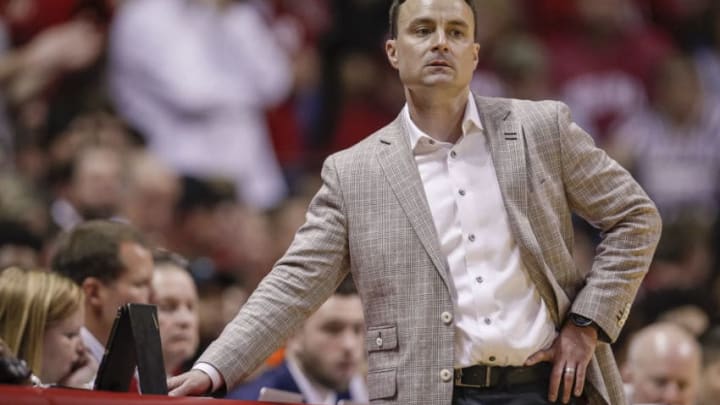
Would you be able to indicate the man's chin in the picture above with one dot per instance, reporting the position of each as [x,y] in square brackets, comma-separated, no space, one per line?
[180,351]
[440,80]
[339,381]
[439,77]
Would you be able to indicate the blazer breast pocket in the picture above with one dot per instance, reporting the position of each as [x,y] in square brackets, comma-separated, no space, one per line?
[381,338]
[382,383]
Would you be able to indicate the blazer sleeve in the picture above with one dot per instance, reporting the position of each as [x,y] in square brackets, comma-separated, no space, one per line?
[314,265]
[605,194]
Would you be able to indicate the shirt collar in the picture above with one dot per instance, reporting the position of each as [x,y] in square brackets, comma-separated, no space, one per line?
[312,393]
[470,123]
[93,344]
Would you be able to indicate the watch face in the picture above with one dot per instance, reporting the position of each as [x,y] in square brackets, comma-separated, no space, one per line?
[580,320]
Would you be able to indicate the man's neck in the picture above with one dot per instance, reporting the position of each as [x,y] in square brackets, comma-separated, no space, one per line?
[97,350]
[312,390]
[95,327]
[438,115]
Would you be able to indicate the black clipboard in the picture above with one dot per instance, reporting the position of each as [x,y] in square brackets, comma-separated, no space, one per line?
[134,342]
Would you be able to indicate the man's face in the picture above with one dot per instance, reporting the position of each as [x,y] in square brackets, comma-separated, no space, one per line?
[133,284]
[176,297]
[330,346]
[97,184]
[435,44]
[671,379]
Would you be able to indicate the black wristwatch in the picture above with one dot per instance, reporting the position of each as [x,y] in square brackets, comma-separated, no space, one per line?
[581,321]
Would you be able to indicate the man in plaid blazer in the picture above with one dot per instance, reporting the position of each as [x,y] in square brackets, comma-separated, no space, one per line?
[455,221]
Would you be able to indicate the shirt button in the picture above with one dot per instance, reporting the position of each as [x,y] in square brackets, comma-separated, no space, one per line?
[446,317]
[461,192]
[487,321]
[471,238]
[453,154]
[492,358]
[446,375]
[379,341]
[479,279]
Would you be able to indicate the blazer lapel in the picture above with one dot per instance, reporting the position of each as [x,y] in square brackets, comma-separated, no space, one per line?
[507,148]
[398,164]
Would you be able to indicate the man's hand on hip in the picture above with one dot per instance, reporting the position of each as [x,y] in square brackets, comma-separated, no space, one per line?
[193,382]
[570,354]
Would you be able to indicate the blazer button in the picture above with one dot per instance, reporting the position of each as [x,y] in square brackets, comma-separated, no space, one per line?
[446,317]
[446,375]
[379,341]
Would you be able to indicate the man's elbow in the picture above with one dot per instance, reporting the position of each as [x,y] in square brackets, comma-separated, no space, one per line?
[653,222]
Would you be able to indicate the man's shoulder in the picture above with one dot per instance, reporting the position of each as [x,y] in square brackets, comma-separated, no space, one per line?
[370,144]
[502,105]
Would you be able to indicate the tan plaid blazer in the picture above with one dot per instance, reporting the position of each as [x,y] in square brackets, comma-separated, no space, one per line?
[371,217]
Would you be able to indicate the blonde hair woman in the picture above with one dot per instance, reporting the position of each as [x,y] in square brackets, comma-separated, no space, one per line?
[40,319]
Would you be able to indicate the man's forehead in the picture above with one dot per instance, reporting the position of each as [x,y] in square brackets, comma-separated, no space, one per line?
[455,10]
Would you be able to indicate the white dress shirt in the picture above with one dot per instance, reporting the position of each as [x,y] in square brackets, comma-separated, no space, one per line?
[500,318]
[96,349]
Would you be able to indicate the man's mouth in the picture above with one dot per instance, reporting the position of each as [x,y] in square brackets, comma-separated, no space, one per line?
[439,63]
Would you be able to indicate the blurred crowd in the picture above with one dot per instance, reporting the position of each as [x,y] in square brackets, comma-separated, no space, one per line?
[203,123]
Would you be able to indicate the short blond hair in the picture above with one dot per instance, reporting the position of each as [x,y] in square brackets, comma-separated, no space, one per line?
[29,302]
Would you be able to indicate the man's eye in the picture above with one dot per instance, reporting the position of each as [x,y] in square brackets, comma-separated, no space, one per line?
[457,34]
[422,31]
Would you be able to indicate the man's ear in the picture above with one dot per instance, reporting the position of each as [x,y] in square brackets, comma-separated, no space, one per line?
[92,287]
[391,52]
[476,53]
[295,343]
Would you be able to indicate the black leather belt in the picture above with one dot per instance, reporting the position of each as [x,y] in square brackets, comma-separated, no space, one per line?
[482,376]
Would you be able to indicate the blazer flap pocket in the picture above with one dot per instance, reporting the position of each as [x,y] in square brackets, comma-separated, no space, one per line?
[381,383]
[381,338]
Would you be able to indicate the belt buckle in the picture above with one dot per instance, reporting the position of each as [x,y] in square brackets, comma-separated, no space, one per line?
[487,383]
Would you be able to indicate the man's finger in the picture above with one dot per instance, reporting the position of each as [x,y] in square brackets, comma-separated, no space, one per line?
[190,383]
[580,379]
[555,377]
[568,379]
[173,382]
[179,390]
[539,357]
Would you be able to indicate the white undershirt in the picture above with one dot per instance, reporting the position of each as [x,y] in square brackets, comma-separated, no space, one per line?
[499,317]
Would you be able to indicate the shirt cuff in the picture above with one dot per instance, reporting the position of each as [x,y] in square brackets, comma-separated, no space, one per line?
[212,372]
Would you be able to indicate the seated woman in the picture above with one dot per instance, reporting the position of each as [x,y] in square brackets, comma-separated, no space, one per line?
[40,319]
[176,297]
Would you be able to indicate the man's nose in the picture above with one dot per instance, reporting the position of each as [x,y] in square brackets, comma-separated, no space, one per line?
[185,316]
[350,340]
[440,41]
